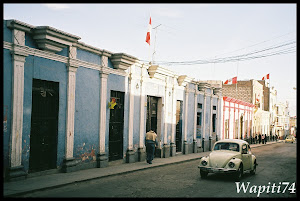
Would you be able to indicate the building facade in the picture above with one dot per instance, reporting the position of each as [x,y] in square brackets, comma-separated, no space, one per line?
[256,93]
[237,119]
[282,127]
[273,110]
[293,126]
[71,106]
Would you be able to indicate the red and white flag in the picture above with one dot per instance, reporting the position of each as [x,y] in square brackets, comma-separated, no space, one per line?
[266,77]
[231,81]
[148,32]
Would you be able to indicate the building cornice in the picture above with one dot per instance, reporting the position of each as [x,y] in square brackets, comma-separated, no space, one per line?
[92,49]
[16,24]
[51,39]
[122,61]
[25,50]
[183,80]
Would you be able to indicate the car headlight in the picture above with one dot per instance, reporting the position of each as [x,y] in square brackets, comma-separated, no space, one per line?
[204,163]
[231,164]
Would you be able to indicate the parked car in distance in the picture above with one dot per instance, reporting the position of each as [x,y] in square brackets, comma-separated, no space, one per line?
[289,138]
[232,156]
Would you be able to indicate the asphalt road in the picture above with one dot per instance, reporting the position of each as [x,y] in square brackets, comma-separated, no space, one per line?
[276,173]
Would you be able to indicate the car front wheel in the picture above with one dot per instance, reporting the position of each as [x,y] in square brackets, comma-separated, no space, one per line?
[239,173]
[252,172]
[203,174]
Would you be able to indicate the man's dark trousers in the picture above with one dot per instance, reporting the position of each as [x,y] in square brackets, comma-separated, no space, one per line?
[150,147]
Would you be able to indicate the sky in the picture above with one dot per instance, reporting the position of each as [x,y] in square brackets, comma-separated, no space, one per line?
[220,41]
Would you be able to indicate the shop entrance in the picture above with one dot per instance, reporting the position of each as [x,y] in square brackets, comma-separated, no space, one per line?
[44,125]
[116,123]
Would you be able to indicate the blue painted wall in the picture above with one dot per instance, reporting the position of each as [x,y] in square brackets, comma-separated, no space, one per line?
[191,117]
[29,41]
[7,33]
[88,56]
[7,95]
[136,119]
[87,112]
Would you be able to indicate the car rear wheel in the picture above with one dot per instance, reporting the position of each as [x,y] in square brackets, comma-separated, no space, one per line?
[203,174]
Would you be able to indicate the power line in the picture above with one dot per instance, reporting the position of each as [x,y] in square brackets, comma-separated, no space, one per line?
[266,52]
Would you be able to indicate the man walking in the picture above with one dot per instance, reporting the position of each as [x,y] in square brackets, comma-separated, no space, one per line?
[150,141]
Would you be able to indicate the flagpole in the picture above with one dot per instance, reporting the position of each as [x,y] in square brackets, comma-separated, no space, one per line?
[149,53]
[148,39]
[237,70]
[154,43]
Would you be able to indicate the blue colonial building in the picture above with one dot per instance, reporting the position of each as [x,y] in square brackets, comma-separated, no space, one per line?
[69,106]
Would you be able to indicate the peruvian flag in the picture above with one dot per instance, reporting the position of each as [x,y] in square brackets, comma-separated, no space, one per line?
[266,77]
[231,81]
[148,32]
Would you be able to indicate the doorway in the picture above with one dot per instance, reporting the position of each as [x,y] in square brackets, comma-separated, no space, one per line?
[179,126]
[151,123]
[116,123]
[44,125]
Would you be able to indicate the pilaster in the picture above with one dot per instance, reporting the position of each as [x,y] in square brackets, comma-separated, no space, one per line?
[185,145]
[166,147]
[130,152]
[195,120]
[102,159]
[16,170]
[173,130]
[141,150]
[69,163]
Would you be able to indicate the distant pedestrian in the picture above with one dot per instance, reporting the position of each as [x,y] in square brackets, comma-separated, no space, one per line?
[150,141]
[256,139]
[266,139]
[263,138]
[259,138]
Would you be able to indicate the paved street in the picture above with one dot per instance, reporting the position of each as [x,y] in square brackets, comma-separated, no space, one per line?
[277,167]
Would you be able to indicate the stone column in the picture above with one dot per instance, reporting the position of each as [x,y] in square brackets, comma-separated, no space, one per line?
[141,150]
[130,152]
[16,170]
[185,144]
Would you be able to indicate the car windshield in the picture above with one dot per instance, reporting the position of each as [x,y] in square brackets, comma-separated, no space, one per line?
[227,146]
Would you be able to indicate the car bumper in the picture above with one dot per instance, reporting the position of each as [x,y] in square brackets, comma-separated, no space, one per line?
[217,170]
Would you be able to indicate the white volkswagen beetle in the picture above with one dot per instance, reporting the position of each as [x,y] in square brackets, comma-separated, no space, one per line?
[229,156]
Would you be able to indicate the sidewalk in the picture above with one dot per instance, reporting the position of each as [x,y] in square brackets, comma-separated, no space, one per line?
[32,184]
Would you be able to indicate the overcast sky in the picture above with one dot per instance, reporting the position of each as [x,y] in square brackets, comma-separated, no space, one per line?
[217,39]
